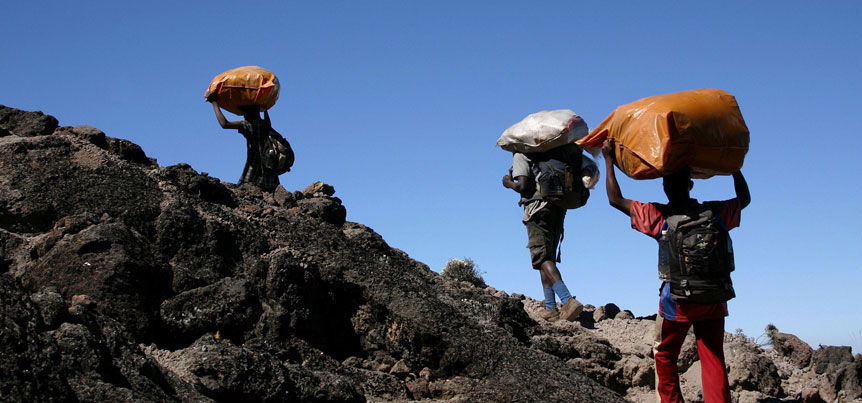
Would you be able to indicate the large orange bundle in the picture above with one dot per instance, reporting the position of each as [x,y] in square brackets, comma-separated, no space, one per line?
[244,86]
[653,137]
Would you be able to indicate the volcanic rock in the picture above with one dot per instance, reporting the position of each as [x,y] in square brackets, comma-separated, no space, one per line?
[828,358]
[125,281]
[792,347]
[607,311]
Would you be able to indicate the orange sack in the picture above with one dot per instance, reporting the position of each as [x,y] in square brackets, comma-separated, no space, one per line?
[243,86]
[653,137]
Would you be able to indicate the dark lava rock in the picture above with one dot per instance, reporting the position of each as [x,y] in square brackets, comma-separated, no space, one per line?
[26,124]
[128,151]
[846,380]
[827,358]
[124,281]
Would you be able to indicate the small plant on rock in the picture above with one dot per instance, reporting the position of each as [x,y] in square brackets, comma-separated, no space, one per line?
[767,339]
[463,270]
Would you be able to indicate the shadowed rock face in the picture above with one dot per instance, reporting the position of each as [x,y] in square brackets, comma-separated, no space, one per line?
[125,281]
[121,280]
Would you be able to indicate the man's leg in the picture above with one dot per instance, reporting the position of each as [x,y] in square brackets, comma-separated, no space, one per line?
[666,354]
[550,274]
[710,349]
[550,299]
[571,306]
[551,312]
[659,320]
[553,220]
[544,230]
[536,235]
[543,233]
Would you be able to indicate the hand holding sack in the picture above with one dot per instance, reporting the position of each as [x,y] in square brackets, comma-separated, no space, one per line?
[699,129]
[244,86]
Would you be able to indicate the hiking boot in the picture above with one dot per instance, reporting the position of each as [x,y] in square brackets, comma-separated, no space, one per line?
[551,316]
[572,309]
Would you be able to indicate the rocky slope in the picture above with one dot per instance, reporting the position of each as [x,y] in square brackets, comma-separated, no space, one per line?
[121,280]
[615,349]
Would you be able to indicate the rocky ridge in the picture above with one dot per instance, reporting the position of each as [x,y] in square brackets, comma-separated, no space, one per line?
[122,280]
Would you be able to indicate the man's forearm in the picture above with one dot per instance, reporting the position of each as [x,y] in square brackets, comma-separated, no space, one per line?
[612,187]
[219,116]
[741,188]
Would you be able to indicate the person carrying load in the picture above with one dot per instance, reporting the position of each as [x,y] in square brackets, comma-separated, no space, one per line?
[696,133]
[552,176]
[247,91]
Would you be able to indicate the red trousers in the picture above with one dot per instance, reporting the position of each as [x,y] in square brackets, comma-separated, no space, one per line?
[710,341]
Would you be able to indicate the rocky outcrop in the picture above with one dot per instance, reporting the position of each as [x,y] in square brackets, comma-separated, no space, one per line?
[750,369]
[790,346]
[617,353]
[25,124]
[125,281]
[122,280]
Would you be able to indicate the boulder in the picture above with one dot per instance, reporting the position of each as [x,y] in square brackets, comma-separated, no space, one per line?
[52,307]
[325,209]
[792,347]
[129,151]
[842,383]
[607,311]
[26,124]
[221,308]
[827,359]
[400,369]
[89,134]
[811,395]
[637,371]
[624,315]
[750,370]
[318,189]
[284,197]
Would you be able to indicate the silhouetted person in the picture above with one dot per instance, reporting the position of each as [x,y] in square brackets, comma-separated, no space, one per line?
[255,130]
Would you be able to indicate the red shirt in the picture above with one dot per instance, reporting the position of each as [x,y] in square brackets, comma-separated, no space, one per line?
[648,219]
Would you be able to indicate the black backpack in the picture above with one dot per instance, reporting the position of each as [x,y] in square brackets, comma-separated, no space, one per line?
[696,257]
[276,155]
[558,176]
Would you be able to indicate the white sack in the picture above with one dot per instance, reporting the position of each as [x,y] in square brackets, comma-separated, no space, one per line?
[543,131]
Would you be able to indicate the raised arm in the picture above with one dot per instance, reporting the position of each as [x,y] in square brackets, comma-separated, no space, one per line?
[741,188]
[615,195]
[221,120]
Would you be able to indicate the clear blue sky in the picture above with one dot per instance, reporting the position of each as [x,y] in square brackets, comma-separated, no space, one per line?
[398,105]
